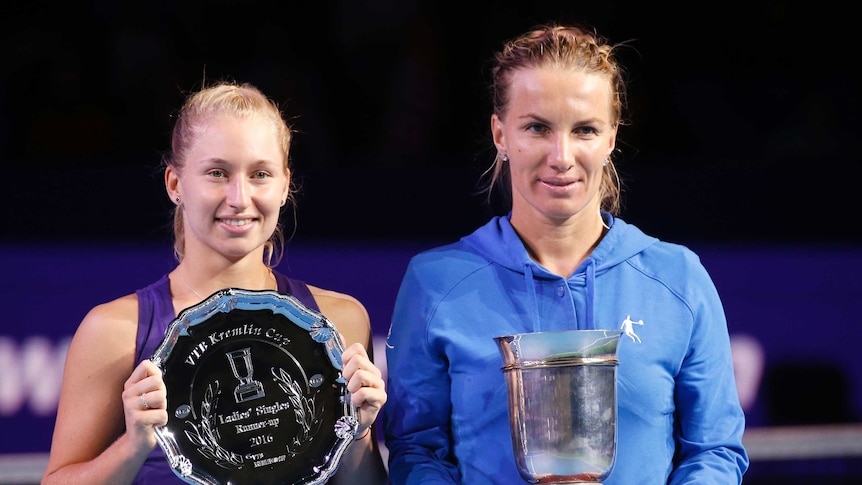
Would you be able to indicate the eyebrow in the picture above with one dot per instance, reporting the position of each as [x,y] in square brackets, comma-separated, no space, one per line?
[531,116]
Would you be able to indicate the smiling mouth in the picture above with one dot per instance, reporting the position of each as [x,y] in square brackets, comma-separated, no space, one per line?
[236,222]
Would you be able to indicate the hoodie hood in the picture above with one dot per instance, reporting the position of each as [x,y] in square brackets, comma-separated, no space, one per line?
[498,242]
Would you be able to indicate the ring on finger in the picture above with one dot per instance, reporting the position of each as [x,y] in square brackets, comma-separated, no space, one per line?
[144,402]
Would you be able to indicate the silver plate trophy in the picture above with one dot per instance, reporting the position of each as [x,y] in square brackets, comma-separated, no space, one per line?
[562,403]
[255,392]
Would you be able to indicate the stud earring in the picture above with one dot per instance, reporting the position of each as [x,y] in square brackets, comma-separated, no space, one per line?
[504,158]
[606,162]
[177,200]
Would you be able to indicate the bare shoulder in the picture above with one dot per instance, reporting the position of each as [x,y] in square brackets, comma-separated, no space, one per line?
[338,304]
[103,350]
[346,312]
[111,327]
[120,312]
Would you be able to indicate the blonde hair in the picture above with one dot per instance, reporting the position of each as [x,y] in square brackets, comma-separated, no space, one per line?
[240,100]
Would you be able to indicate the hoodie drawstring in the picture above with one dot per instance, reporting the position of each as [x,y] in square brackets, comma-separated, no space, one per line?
[591,294]
[531,290]
[590,285]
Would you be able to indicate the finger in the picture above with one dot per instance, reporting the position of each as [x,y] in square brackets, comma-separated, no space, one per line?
[367,390]
[145,388]
[144,403]
[368,403]
[353,350]
[156,399]
[370,398]
[143,370]
[151,368]
[141,421]
[146,376]
[365,377]
[359,363]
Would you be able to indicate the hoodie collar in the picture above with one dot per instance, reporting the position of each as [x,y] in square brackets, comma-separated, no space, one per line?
[498,242]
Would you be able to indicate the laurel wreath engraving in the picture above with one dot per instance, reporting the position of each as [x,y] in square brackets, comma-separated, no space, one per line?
[305,410]
[206,436]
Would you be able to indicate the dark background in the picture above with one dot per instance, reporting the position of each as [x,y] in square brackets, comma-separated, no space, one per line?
[744,115]
[743,143]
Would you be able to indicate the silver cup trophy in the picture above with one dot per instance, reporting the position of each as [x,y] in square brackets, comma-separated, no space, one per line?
[562,389]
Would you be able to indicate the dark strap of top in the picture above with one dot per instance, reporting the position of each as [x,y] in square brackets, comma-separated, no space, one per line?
[296,288]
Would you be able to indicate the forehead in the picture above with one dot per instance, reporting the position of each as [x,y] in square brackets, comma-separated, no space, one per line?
[551,89]
[231,137]
[226,122]
[231,129]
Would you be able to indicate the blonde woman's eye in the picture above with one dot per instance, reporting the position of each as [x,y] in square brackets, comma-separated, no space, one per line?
[217,173]
[261,175]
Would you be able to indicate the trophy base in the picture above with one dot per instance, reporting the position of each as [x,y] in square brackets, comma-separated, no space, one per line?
[563,480]
[248,392]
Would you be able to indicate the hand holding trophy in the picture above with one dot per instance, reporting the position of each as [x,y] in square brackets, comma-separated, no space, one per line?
[255,392]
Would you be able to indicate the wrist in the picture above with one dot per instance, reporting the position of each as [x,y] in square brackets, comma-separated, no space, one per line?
[363,435]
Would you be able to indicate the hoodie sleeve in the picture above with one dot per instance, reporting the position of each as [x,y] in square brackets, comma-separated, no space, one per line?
[710,420]
[416,416]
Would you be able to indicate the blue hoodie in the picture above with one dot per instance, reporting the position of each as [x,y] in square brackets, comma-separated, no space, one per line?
[446,420]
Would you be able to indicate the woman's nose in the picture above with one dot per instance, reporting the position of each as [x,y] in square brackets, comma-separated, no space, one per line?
[562,156]
[238,193]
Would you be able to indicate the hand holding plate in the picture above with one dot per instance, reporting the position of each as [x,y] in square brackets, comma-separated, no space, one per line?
[145,380]
[365,383]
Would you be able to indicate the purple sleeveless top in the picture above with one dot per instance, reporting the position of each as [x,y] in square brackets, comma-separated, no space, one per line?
[155,314]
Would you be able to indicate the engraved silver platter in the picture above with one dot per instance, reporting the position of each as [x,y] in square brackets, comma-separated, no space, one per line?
[255,392]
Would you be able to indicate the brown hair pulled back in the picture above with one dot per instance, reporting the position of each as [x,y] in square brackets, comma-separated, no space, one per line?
[561,47]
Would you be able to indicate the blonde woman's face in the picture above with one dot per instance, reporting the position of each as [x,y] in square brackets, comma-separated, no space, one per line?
[232,186]
[557,133]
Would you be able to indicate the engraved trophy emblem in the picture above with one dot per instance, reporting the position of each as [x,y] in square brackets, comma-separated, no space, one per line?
[255,392]
[240,363]
[562,403]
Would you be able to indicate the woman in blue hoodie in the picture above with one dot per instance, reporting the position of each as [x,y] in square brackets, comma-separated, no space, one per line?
[560,260]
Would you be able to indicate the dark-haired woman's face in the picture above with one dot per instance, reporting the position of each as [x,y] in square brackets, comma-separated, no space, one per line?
[557,132]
